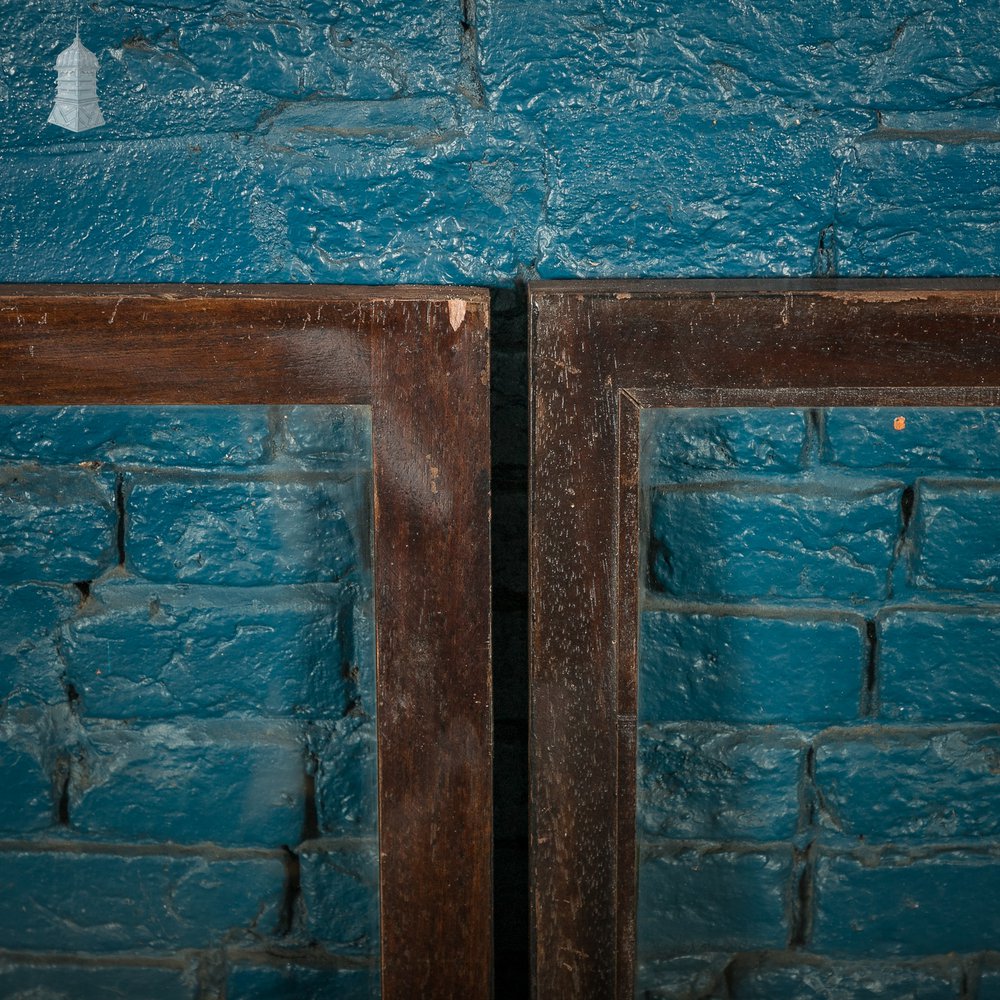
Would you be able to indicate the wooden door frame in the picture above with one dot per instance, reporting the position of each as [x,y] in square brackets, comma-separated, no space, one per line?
[601,352]
[419,356]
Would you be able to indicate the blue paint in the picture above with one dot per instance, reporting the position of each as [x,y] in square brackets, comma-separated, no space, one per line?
[61,982]
[150,652]
[290,982]
[381,142]
[898,906]
[749,669]
[718,783]
[89,902]
[188,755]
[783,545]
[57,527]
[818,683]
[920,650]
[693,901]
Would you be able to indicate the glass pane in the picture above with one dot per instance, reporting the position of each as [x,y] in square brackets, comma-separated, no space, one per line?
[818,784]
[187,698]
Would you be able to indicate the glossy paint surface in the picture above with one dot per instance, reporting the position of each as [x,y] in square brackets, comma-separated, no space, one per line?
[478,141]
[817,749]
[187,710]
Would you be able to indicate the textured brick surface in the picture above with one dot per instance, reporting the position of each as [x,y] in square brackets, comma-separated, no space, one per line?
[940,667]
[932,439]
[958,547]
[340,897]
[295,982]
[847,981]
[106,903]
[694,901]
[718,784]
[30,617]
[56,527]
[343,761]
[239,533]
[845,590]
[169,739]
[27,800]
[74,982]
[227,783]
[789,545]
[191,436]
[158,651]
[382,142]
[687,976]
[907,906]
[677,444]
[730,669]
[328,437]
[885,787]
[989,982]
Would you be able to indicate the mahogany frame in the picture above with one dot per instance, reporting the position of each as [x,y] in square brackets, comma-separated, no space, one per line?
[600,353]
[420,358]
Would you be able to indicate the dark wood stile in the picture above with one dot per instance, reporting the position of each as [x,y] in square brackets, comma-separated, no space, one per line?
[600,353]
[420,357]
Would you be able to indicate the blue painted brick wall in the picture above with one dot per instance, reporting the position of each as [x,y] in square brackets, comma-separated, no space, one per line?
[818,754]
[489,141]
[187,736]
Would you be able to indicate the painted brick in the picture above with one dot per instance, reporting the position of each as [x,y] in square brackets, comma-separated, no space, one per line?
[689,977]
[101,903]
[933,438]
[939,666]
[56,527]
[679,443]
[296,982]
[231,783]
[327,437]
[340,896]
[883,786]
[886,180]
[631,193]
[957,547]
[242,533]
[823,980]
[989,982]
[718,784]
[140,651]
[375,50]
[578,55]
[693,901]
[715,667]
[26,791]
[75,982]
[905,905]
[767,546]
[344,761]
[208,437]
[30,616]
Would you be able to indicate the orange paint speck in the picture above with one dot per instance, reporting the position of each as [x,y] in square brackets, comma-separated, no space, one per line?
[899,423]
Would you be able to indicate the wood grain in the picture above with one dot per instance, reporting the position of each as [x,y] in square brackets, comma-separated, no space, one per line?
[602,351]
[419,357]
[432,593]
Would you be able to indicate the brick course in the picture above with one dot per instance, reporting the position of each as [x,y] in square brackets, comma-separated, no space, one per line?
[186,701]
[818,698]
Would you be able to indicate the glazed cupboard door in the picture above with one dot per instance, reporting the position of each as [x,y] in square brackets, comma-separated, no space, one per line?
[765,560]
[245,731]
